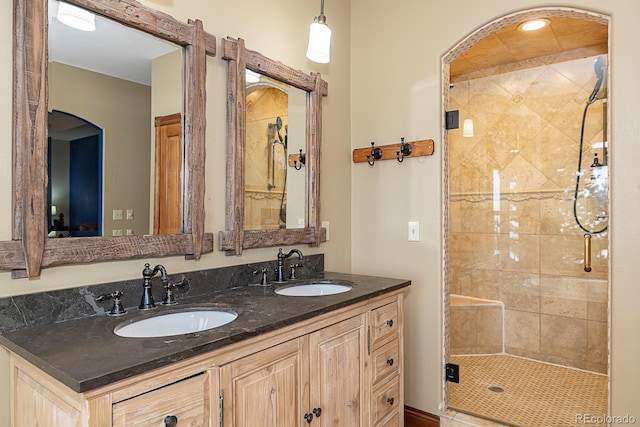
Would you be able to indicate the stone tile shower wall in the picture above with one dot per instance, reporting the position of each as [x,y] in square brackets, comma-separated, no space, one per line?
[262,202]
[513,237]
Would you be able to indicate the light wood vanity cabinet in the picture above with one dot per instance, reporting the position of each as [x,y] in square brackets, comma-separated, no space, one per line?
[265,388]
[186,403]
[312,379]
[339,368]
[387,398]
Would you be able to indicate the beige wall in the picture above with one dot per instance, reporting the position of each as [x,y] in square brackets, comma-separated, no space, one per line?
[396,91]
[277,29]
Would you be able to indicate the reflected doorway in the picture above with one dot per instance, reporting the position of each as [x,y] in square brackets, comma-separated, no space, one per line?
[74,194]
[167,196]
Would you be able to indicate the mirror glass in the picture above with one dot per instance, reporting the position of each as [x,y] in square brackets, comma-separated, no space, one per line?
[106,90]
[274,193]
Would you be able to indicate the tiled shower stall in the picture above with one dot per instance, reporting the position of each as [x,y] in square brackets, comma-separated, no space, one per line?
[514,242]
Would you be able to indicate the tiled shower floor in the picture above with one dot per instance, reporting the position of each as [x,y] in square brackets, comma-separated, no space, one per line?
[535,394]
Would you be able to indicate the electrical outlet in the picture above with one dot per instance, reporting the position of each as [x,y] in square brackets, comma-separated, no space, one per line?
[452,372]
[414,231]
[117,232]
[117,215]
[129,213]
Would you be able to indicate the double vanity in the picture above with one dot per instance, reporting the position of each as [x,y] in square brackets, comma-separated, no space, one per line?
[321,349]
[315,348]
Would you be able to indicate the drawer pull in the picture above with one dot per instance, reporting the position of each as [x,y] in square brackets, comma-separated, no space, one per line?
[170,421]
[317,412]
[390,401]
[308,417]
[390,323]
[390,362]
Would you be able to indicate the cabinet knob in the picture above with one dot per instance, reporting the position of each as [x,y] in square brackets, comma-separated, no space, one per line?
[390,323]
[308,417]
[317,412]
[390,401]
[170,421]
[390,362]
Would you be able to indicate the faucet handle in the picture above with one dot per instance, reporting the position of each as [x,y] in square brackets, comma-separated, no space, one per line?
[292,273]
[169,298]
[117,309]
[264,280]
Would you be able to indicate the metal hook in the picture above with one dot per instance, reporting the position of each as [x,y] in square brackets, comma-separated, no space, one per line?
[376,153]
[302,159]
[405,150]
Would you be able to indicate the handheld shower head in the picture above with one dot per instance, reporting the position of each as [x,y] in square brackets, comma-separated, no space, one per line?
[278,127]
[600,68]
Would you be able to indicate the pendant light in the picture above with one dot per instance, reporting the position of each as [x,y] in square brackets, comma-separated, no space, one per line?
[319,38]
[76,17]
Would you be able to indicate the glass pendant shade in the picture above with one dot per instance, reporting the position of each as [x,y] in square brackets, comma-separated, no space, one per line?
[251,76]
[319,43]
[76,17]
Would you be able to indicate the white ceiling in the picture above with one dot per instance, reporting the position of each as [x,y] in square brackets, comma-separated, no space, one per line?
[112,49]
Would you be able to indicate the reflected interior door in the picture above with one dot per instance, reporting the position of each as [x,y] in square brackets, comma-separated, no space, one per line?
[85,186]
[168,175]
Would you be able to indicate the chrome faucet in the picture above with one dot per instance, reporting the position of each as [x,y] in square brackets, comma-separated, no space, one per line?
[147,303]
[281,257]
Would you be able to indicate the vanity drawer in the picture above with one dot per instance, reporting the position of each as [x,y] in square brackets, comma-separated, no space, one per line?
[385,400]
[386,361]
[187,400]
[394,421]
[384,323]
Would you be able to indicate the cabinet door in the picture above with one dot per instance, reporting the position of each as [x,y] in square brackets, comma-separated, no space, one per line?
[266,388]
[336,372]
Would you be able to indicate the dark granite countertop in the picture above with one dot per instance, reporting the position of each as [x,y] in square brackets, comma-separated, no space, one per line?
[85,354]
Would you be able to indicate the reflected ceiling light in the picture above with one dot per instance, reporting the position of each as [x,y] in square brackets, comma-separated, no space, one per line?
[251,76]
[76,17]
[467,128]
[533,24]
[319,38]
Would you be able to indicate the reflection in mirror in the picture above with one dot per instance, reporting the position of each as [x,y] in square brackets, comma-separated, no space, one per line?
[182,96]
[293,121]
[275,126]
[119,79]
[74,196]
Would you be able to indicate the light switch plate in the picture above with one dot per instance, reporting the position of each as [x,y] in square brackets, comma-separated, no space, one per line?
[129,213]
[325,224]
[414,231]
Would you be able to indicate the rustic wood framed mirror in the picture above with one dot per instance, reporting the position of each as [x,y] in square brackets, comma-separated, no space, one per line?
[31,250]
[307,225]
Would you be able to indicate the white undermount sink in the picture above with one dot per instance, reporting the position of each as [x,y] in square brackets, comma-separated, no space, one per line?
[315,289]
[175,323]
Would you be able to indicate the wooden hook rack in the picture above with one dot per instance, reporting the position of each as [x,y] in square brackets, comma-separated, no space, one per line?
[418,149]
[293,160]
